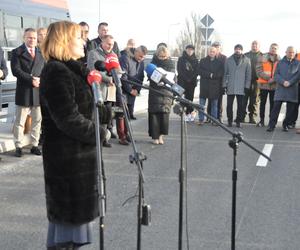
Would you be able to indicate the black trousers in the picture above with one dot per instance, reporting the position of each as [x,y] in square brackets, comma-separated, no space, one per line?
[158,124]
[295,108]
[189,94]
[229,108]
[251,96]
[276,110]
[263,100]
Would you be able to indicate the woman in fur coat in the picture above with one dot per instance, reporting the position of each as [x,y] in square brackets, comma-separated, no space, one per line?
[69,148]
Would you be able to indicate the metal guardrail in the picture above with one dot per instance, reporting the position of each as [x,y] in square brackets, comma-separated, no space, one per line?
[7,96]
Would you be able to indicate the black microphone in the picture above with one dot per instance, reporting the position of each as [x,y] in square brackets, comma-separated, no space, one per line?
[158,75]
[100,65]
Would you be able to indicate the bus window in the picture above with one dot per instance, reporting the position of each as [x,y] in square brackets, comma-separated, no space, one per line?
[12,21]
[29,22]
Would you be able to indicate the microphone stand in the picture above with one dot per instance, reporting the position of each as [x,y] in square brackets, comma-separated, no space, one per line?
[182,174]
[100,178]
[237,137]
[137,158]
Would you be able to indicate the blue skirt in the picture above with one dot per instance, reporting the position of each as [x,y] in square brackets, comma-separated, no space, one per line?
[63,233]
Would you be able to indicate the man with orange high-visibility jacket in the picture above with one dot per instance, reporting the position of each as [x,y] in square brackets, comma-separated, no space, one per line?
[265,69]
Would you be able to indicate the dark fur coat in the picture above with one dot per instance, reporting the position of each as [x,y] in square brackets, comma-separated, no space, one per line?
[69,148]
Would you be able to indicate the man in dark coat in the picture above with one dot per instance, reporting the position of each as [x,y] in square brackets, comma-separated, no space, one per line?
[26,65]
[187,76]
[103,31]
[211,72]
[133,65]
[286,77]
[222,58]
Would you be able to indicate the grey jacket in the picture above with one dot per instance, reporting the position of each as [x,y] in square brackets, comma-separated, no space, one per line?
[95,55]
[237,77]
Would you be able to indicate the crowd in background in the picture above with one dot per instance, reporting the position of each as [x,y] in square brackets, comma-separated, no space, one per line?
[51,68]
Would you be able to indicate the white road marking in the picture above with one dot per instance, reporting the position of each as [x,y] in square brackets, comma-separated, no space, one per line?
[262,161]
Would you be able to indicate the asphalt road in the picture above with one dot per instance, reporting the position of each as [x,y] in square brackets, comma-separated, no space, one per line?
[268,198]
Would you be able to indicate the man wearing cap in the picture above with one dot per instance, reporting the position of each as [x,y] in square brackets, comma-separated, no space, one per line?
[187,76]
[237,77]
[251,94]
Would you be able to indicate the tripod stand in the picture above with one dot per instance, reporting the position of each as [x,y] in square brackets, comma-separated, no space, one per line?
[237,137]
[100,177]
[143,214]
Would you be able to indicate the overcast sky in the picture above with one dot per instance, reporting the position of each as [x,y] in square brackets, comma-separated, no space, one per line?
[151,22]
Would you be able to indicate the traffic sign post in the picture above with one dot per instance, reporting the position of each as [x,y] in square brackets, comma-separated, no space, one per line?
[206,32]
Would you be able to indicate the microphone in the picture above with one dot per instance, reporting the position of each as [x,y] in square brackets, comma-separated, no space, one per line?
[158,75]
[100,66]
[112,66]
[94,79]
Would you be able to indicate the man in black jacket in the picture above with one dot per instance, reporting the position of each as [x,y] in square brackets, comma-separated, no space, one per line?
[26,65]
[103,31]
[133,65]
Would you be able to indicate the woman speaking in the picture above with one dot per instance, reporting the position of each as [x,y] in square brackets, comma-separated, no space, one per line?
[69,149]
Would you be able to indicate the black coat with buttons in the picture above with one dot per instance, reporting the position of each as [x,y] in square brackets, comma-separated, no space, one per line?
[24,67]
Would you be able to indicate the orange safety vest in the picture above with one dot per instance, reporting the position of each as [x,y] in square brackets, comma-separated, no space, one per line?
[268,69]
[297,56]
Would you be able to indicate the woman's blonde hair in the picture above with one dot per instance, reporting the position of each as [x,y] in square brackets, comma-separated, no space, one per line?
[162,50]
[59,36]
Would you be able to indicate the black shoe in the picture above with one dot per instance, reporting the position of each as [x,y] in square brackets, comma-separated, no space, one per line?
[112,134]
[285,128]
[18,152]
[124,142]
[229,124]
[132,117]
[260,124]
[291,126]
[35,150]
[238,125]
[106,144]
[269,129]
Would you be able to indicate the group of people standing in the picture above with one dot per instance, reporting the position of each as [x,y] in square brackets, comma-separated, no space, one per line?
[52,86]
[250,78]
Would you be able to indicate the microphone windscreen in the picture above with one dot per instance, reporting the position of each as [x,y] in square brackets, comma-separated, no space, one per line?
[100,65]
[94,76]
[150,68]
[111,62]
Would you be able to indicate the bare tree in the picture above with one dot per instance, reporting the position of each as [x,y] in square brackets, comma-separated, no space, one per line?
[191,34]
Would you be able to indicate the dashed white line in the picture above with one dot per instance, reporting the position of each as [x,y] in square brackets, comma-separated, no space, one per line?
[262,161]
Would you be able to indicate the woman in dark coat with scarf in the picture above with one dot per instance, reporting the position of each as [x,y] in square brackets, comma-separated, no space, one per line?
[69,148]
[159,106]
[187,75]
